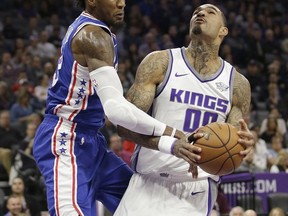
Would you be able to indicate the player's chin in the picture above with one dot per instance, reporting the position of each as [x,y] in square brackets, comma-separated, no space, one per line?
[118,23]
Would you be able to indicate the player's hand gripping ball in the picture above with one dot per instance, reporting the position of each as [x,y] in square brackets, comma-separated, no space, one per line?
[220,150]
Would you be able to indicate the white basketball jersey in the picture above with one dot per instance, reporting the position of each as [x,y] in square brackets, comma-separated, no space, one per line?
[186,102]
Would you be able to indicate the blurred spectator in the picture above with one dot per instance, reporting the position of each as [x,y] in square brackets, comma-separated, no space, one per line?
[274,97]
[150,44]
[125,76]
[250,212]
[9,135]
[271,46]
[255,76]
[260,153]
[272,129]
[281,125]
[128,145]
[8,73]
[22,161]
[33,48]
[49,69]
[41,90]
[214,213]
[13,205]
[6,98]
[35,70]
[9,139]
[28,203]
[277,212]
[236,211]
[21,110]
[55,24]
[10,31]
[33,29]
[116,146]
[276,151]
[47,49]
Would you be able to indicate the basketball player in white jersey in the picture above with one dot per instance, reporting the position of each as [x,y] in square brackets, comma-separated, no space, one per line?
[186,88]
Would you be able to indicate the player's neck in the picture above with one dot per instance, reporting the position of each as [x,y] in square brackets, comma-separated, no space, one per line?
[203,57]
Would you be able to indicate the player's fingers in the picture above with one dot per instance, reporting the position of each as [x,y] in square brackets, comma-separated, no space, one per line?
[194,170]
[246,139]
[191,153]
[245,152]
[194,136]
[243,125]
[183,156]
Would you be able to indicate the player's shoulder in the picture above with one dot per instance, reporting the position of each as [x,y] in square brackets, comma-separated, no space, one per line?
[154,66]
[93,31]
[92,37]
[240,79]
[157,57]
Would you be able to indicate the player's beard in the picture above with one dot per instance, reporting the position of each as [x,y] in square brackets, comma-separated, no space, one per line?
[118,26]
[197,30]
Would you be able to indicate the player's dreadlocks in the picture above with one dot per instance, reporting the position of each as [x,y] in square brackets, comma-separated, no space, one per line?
[80,4]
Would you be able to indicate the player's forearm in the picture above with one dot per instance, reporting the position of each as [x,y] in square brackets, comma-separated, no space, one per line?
[143,140]
[151,142]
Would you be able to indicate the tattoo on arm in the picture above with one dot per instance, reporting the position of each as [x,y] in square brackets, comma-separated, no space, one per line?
[149,74]
[241,99]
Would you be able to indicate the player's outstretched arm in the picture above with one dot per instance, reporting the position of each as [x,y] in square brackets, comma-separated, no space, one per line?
[93,47]
[240,109]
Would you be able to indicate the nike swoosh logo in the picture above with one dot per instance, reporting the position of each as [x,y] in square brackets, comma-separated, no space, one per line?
[180,75]
[194,193]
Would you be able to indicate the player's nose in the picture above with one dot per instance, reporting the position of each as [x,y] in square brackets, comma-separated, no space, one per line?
[121,3]
[201,13]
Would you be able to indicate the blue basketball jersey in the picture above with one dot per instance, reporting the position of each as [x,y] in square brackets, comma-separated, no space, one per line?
[72,95]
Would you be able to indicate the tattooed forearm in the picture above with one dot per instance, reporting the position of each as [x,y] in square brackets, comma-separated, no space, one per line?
[146,141]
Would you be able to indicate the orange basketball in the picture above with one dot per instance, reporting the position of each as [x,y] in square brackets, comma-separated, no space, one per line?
[220,149]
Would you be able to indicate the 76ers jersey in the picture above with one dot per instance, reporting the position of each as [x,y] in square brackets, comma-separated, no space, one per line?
[186,102]
[72,95]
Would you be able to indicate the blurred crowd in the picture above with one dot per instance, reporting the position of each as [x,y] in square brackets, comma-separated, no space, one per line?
[30,40]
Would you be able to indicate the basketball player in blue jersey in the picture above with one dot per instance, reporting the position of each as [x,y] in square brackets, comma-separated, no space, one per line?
[69,149]
[184,87]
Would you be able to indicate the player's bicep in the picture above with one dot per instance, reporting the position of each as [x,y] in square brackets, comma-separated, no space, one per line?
[96,46]
[241,100]
[149,74]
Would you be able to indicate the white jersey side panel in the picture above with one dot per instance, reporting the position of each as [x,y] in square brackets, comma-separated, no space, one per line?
[186,102]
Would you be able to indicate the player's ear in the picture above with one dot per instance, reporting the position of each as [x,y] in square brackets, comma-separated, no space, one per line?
[223,31]
[91,2]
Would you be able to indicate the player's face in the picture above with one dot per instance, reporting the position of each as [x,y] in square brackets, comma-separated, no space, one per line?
[111,12]
[206,20]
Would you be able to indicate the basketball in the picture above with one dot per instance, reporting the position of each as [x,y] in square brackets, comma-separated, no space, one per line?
[220,149]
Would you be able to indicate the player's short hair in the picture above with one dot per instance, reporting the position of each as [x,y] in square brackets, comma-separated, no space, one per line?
[224,19]
[80,4]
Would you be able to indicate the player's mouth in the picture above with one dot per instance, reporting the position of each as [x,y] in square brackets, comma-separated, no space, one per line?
[200,20]
[119,16]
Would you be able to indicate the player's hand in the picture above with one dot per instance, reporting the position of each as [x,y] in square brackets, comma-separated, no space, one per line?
[246,138]
[184,149]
